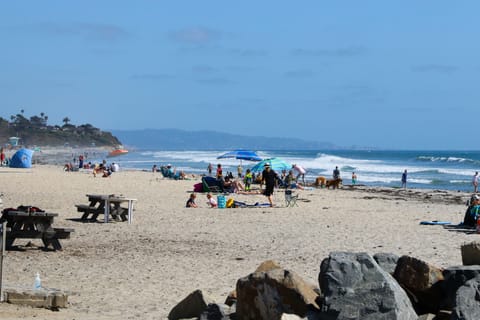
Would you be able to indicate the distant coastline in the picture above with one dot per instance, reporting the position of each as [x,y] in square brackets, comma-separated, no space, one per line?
[176,139]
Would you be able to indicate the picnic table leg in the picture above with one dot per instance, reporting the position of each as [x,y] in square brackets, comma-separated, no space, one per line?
[116,212]
[51,240]
[106,211]
[130,211]
[9,242]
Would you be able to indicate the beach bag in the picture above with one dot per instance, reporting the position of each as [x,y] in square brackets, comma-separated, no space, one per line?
[29,209]
[198,187]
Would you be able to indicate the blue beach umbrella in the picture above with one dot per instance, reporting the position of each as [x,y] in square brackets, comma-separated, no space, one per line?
[241,155]
[276,164]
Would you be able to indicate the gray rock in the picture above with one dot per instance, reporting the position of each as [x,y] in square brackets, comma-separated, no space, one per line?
[467,301]
[455,277]
[355,287]
[190,307]
[216,311]
[387,261]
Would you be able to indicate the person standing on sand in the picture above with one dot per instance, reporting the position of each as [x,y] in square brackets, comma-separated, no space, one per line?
[2,157]
[354,178]
[336,173]
[239,171]
[219,171]
[209,169]
[475,182]
[269,177]
[300,172]
[404,179]
[80,161]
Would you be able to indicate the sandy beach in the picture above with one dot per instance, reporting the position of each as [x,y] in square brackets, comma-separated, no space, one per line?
[142,270]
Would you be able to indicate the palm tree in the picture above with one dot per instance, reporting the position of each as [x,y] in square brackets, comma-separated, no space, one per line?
[66,120]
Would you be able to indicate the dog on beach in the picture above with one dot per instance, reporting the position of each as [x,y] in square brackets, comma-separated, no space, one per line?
[334,183]
[320,181]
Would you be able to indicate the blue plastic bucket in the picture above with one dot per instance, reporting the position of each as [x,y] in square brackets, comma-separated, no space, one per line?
[221,201]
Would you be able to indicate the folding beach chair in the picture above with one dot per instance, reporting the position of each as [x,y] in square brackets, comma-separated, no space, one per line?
[290,198]
[210,184]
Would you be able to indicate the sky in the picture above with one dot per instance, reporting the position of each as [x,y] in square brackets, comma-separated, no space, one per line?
[380,74]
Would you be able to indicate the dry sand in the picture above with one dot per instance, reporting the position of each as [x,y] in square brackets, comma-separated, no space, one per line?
[142,270]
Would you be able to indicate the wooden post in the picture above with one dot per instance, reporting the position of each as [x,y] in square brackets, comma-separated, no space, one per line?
[3,236]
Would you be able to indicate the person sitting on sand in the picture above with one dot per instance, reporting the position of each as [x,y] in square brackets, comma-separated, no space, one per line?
[100,168]
[68,167]
[473,211]
[107,172]
[211,201]
[191,201]
[231,185]
[114,167]
[290,181]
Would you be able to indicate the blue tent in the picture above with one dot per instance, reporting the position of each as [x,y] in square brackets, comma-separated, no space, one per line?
[22,159]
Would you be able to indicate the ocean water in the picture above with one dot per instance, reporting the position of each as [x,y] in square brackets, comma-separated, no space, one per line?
[446,170]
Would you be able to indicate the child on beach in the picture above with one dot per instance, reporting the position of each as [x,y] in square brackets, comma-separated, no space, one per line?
[248,179]
[211,201]
[191,201]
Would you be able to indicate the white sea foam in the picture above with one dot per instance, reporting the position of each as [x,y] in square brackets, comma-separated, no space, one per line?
[447,172]
[444,159]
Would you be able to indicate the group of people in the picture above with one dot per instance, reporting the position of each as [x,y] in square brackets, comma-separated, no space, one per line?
[211,202]
[105,170]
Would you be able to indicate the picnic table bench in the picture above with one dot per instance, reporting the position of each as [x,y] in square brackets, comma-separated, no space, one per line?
[108,205]
[33,225]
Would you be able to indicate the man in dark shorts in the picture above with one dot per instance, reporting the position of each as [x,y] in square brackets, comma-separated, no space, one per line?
[269,176]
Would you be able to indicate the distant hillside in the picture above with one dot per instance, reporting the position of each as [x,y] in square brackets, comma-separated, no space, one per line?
[174,139]
[35,131]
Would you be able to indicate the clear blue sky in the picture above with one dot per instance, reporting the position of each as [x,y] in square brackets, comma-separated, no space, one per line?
[387,74]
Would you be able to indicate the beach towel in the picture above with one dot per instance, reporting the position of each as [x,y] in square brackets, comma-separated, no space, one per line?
[435,222]
[239,204]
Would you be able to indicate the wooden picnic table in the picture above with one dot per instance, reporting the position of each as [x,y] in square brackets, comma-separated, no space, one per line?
[34,225]
[107,205]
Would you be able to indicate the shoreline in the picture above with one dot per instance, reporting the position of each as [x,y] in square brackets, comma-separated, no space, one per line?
[139,162]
